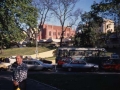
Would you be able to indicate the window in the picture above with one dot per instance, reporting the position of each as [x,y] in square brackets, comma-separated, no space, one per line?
[25,62]
[30,63]
[108,26]
[36,63]
[58,33]
[75,62]
[67,34]
[49,33]
[82,62]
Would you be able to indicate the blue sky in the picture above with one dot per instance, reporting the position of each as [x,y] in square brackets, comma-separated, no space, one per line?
[84,5]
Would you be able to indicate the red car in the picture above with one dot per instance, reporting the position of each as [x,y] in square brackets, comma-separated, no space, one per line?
[112,65]
[62,61]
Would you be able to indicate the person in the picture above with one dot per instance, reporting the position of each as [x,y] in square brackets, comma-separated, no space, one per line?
[19,74]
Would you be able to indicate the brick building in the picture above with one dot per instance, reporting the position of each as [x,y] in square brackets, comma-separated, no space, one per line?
[54,32]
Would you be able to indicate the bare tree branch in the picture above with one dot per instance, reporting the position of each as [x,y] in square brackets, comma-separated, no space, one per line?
[65,12]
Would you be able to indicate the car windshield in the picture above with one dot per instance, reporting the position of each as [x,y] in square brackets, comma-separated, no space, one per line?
[40,62]
[75,62]
[82,58]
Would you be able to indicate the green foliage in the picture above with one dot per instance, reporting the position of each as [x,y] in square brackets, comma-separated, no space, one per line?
[30,44]
[16,15]
[88,37]
[107,9]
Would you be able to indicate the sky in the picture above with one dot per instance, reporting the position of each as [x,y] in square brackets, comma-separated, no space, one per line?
[84,5]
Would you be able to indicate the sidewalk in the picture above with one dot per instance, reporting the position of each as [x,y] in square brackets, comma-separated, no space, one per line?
[44,55]
[6,84]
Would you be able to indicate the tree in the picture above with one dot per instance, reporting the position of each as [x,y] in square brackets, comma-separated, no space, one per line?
[108,9]
[87,31]
[43,7]
[64,11]
[14,17]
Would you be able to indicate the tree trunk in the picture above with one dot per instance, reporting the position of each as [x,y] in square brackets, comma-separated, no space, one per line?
[61,39]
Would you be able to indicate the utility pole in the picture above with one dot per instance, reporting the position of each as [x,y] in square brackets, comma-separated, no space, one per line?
[36,50]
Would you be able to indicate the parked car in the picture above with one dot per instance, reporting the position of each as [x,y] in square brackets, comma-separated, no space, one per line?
[4,64]
[46,61]
[80,65]
[34,65]
[111,65]
[37,65]
[115,56]
[12,59]
[63,60]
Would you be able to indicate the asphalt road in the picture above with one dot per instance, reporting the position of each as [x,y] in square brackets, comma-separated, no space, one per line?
[6,83]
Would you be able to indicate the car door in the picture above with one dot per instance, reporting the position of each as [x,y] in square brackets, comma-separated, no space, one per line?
[30,65]
[82,65]
[38,66]
[74,64]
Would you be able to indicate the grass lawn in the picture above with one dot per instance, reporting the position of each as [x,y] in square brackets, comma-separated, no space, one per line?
[22,51]
[31,50]
[80,81]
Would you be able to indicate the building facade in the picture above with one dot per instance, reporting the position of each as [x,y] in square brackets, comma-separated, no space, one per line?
[113,38]
[107,25]
[54,32]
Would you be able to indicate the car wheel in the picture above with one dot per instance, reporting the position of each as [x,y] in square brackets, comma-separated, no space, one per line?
[9,68]
[69,69]
[2,69]
[118,69]
[92,69]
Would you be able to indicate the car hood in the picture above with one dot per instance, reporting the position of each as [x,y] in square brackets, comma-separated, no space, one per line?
[6,64]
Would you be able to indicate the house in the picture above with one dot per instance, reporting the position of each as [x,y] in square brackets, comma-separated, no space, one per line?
[113,38]
[107,25]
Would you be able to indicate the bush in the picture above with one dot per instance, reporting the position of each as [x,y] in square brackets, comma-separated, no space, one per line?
[29,44]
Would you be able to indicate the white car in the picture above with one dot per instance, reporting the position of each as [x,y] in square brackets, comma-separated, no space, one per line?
[37,65]
[12,59]
[4,66]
